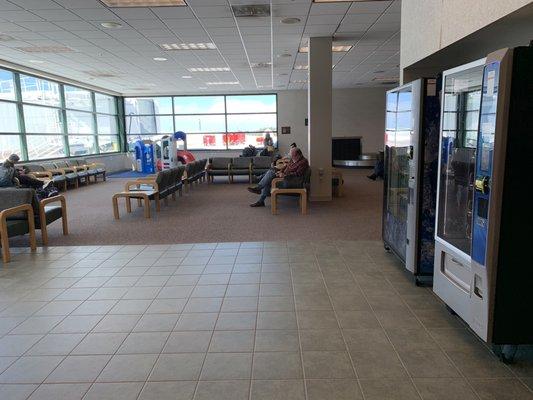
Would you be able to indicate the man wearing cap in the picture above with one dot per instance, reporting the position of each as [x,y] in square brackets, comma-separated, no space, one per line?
[9,175]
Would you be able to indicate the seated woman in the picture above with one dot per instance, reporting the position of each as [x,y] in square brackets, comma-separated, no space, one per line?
[10,176]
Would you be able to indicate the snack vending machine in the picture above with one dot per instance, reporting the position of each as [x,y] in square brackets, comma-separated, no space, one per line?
[410,174]
[483,267]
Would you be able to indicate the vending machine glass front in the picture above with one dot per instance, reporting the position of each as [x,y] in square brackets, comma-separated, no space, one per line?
[461,105]
[397,152]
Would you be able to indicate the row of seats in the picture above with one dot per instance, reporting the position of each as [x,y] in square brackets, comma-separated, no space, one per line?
[237,166]
[68,172]
[160,186]
[21,212]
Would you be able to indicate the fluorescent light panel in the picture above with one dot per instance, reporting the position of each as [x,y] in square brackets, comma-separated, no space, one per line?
[345,1]
[188,46]
[222,83]
[209,69]
[335,48]
[144,3]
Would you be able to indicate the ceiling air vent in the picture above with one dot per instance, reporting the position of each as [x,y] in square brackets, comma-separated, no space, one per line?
[251,10]
[45,49]
[261,65]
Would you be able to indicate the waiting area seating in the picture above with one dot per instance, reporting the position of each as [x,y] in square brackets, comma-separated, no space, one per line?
[154,188]
[301,192]
[69,172]
[21,212]
[195,172]
[237,166]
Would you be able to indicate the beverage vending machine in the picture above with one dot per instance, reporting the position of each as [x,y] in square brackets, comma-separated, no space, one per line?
[410,174]
[483,267]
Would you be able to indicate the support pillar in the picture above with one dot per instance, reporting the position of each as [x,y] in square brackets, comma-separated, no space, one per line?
[320,117]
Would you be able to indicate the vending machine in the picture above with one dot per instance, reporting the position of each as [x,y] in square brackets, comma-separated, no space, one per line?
[485,219]
[410,174]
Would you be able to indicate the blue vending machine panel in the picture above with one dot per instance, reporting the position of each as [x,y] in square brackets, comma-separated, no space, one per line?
[484,161]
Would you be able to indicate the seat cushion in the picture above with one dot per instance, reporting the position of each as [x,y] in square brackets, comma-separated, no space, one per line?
[53,213]
[17,227]
[218,172]
[71,176]
[241,162]
[58,179]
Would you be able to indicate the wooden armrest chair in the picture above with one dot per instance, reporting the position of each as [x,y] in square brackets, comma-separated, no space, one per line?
[240,166]
[219,166]
[140,190]
[49,213]
[300,192]
[16,218]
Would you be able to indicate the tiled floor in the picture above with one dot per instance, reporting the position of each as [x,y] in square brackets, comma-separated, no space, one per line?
[287,321]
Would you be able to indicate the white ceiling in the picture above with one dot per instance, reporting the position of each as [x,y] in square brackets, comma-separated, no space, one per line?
[372,27]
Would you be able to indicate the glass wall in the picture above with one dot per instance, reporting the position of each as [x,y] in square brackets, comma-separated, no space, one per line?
[42,119]
[210,122]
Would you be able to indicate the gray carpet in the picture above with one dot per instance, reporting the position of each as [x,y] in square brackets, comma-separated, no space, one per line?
[220,213]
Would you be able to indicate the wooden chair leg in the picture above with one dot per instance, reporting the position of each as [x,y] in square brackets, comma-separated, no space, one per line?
[303,202]
[146,207]
[274,203]
[165,200]
[139,202]
[115,207]
[33,241]
[6,256]
[158,202]
[64,220]
[128,204]
[44,233]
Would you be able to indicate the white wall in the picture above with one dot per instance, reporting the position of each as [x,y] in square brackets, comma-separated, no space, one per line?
[431,25]
[356,112]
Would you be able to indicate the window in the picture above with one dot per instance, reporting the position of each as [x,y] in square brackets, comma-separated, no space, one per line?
[45,119]
[211,122]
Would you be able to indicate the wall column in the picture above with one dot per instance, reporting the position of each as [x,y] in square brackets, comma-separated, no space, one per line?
[320,117]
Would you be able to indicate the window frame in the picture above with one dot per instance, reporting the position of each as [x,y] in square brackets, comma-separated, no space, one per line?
[62,109]
[225,114]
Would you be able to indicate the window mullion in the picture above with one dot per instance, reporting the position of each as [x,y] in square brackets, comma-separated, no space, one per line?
[20,116]
[64,124]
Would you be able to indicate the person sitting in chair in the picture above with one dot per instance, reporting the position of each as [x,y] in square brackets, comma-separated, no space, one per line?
[293,174]
[10,176]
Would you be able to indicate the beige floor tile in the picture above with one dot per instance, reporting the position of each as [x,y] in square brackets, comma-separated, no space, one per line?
[322,339]
[166,306]
[444,389]
[223,390]
[365,339]
[427,363]
[227,366]
[78,369]
[479,364]
[232,341]
[37,325]
[389,389]
[327,364]
[349,302]
[333,389]
[16,392]
[276,340]
[276,320]
[236,321]
[278,390]
[438,318]
[117,323]
[128,368]
[55,344]
[156,323]
[30,369]
[177,367]
[501,389]
[114,391]
[144,343]
[168,391]
[239,304]
[196,322]
[188,342]
[375,364]
[276,303]
[394,319]
[411,339]
[357,319]
[317,320]
[277,365]
[99,343]
[16,345]
[208,304]
[69,391]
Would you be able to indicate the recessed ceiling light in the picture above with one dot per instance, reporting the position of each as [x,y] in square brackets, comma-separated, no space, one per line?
[290,20]
[187,46]
[111,24]
[186,77]
[36,61]
[263,64]
[159,59]
[223,83]
[284,55]
[334,48]
[144,3]
[301,67]
[208,69]
[299,81]
[202,87]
